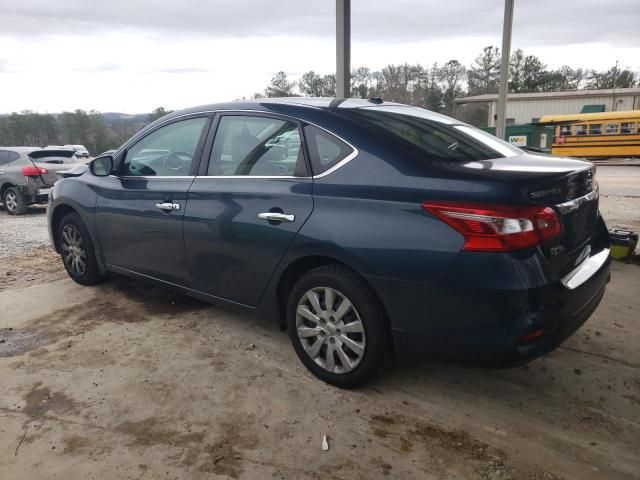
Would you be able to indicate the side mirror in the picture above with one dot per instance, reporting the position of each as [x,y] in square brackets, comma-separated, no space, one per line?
[102,166]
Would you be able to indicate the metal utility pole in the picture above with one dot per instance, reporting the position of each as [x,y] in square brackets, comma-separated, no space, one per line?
[504,68]
[343,48]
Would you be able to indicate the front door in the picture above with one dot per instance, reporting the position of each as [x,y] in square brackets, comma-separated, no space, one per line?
[244,211]
[140,212]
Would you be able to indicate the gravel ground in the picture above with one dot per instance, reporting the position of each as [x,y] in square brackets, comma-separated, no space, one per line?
[23,232]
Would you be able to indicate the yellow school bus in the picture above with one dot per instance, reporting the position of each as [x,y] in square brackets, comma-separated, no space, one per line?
[593,135]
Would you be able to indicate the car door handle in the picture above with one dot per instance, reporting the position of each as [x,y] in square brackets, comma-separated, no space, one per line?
[277,217]
[168,206]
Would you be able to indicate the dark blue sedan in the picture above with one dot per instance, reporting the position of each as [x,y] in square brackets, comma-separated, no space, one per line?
[365,228]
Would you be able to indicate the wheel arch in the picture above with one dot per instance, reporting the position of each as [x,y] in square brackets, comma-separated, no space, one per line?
[298,267]
[57,215]
[4,187]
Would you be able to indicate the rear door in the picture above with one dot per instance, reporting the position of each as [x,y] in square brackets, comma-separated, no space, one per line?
[251,198]
[140,212]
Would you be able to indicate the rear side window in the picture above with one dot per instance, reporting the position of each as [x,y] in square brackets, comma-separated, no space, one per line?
[430,139]
[7,156]
[325,150]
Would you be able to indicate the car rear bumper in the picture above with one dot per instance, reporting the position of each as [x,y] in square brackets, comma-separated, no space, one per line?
[472,320]
[34,192]
[43,195]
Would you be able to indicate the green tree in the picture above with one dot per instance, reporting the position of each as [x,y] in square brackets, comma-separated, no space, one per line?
[450,76]
[615,77]
[157,113]
[280,86]
[312,84]
[361,82]
[484,75]
[527,73]
[564,78]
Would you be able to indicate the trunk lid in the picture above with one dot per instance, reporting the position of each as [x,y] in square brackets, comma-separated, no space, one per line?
[54,161]
[569,187]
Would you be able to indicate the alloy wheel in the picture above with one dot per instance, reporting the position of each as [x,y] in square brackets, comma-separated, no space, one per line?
[11,201]
[74,253]
[330,330]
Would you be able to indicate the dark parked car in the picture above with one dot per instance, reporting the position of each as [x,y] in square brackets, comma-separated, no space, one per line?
[388,229]
[27,174]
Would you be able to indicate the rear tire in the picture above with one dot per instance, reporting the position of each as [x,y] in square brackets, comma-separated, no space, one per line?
[14,201]
[337,326]
[77,251]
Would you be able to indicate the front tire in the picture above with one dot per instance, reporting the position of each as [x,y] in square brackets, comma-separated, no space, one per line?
[14,201]
[337,326]
[77,251]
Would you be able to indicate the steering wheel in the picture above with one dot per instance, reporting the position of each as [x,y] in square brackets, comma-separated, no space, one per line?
[176,161]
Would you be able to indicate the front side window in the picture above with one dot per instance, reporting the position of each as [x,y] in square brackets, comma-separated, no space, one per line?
[256,146]
[166,152]
[325,150]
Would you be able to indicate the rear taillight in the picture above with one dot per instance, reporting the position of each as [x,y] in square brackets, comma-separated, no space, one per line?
[497,228]
[33,171]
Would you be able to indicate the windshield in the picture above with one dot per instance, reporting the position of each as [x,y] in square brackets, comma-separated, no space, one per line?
[431,136]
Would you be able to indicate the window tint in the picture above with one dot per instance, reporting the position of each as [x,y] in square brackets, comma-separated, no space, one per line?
[256,146]
[431,139]
[325,150]
[167,151]
[580,129]
[565,130]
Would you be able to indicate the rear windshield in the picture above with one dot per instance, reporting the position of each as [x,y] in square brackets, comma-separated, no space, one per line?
[431,136]
[54,156]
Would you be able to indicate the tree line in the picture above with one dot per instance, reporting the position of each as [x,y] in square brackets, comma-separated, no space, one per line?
[96,131]
[433,87]
[436,87]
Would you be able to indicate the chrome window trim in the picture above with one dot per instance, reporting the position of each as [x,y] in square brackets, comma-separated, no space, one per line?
[169,177]
[572,205]
[342,162]
[284,177]
[337,166]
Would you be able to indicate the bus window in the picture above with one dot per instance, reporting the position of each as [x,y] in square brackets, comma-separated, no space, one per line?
[565,130]
[595,129]
[611,128]
[580,129]
[627,127]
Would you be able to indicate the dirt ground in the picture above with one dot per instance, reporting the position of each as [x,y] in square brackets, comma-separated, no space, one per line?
[127,380]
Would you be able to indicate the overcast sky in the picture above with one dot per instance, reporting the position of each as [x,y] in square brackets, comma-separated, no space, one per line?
[133,55]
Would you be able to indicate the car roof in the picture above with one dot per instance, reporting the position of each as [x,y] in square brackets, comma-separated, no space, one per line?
[300,105]
[21,149]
